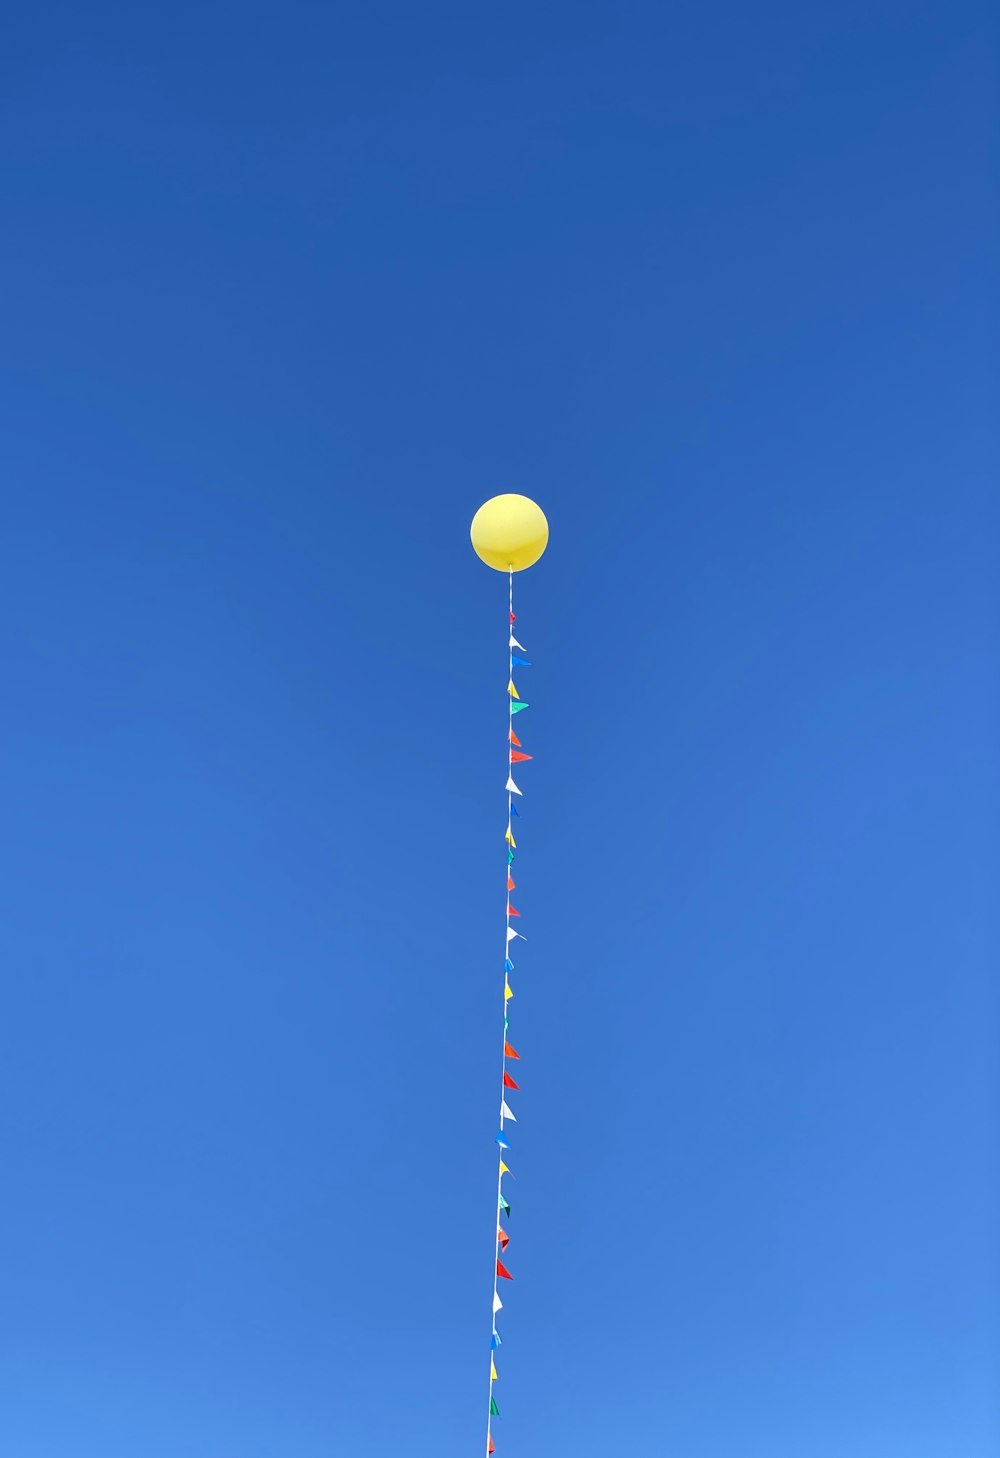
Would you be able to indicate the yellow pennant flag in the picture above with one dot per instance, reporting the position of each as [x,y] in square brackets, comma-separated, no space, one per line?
[504,1168]
[510,839]
[512,690]
[507,992]
[493,1371]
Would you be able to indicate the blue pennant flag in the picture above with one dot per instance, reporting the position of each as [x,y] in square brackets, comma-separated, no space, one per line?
[494,1342]
[508,965]
[502,1141]
[514,810]
[523,662]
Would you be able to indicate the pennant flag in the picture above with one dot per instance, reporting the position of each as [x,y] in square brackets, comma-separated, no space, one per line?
[512,690]
[503,1271]
[516,708]
[515,644]
[510,882]
[490,1445]
[503,1238]
[510,854]
[504,1168]
[505,1113]
[504,1205]
[510,785]
[509,1052]
[508,1082]
[501,1140]
[494,1410]
[512,617]
[516,757]
[514,810]
[497,1304]
[511,933]
[510,840]
[508,965]
[495,1341]
[493,1371]
[523,662]
[512,910]
[508,992]
[513,739]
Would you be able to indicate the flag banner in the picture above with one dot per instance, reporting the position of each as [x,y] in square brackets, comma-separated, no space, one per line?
[509,533]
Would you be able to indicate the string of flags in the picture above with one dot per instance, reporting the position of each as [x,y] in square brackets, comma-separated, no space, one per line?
[509,533]
[508,1084]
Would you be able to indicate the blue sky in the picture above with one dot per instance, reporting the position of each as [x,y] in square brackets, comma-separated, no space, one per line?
[288,292]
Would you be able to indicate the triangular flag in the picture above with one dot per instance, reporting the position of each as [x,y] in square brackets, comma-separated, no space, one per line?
[497,1304]
[513,618]
[516,708]
[503,1271]
[495,1341]
[508,992]
[510,853]
[511,934]
[490,1445]
[509,1052]
[524,662]
[494,1410]
[501,1140]
[504,1205]
[504,1168]
[510,839]
[493,1371]
[516,757]
[512,738]
[512,690]
[510,882]
[508,1082]
[505,1113]
[510,785]
[514,810]
[508,965]
[515,644]
[512,910]
[503,1237]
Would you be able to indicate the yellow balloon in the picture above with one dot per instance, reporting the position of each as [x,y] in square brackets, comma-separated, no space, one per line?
[510,532]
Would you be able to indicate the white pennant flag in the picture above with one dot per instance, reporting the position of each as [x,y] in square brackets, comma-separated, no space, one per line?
[505,1113]
[510,785]
[497,1303]
[515,644]
[511,933]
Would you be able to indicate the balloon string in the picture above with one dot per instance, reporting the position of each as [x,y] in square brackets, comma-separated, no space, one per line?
[506,958]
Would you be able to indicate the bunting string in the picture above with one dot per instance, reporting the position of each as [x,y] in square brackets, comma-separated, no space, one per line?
[515,755]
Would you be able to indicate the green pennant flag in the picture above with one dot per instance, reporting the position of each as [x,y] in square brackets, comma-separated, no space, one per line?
[510,858]
[504,1205]
[494,1410]
[516,705]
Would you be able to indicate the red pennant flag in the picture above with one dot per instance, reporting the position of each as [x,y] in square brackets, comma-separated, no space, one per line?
[510,883]
[512,910]
[517,757]
[509,1052]
[512,618]
[503,1271]
[490,1446]
[513,739]
[503,1237]
[508,1082]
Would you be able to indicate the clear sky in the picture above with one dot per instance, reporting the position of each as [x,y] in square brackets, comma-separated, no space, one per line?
[287,292]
